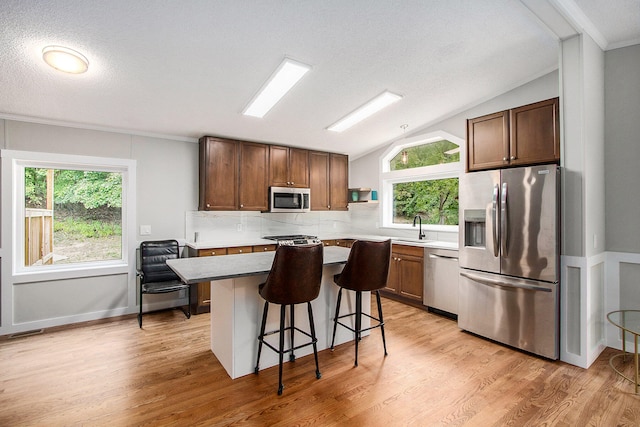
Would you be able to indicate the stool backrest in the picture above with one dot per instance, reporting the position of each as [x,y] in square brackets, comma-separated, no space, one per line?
[295,275]
[367,267]
[153,260]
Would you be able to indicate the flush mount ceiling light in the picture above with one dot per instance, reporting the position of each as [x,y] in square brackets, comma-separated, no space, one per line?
[280,82]
[65,59]
[381,101]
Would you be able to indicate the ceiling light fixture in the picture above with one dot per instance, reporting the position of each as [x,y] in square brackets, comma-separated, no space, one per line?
[281,81]
[405,154]
[381,101]
[65,59]
[405,157]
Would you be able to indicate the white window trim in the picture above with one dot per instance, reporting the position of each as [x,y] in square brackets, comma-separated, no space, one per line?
[389,177]
[13,164]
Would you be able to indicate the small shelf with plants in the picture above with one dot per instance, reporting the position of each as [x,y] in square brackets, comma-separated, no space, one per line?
[362,195]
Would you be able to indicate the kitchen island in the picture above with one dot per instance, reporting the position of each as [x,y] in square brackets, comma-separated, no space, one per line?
[236,306]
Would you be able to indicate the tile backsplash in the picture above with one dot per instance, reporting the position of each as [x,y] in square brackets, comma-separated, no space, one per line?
[242,225]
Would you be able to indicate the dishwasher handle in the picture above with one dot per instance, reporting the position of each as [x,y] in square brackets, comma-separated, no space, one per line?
[436,256]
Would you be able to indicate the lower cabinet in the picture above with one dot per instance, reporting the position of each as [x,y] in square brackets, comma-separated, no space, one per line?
[201,293]
[345,243]
[406,274]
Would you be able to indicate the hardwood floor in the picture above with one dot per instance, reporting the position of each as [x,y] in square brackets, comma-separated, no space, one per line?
[115,374]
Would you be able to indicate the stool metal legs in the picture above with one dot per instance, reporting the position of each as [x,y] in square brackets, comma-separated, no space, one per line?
[384,341]
[358,321]
[281,350]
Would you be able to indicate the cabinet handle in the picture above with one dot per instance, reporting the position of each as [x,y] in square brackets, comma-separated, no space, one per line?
[504,159]
[206,301]
[513,157]
[213,252]
[293,183]
[208,205]
[240,250]
[242,206]
[328,206]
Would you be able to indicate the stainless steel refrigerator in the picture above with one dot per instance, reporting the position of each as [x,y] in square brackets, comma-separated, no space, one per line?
[509,257]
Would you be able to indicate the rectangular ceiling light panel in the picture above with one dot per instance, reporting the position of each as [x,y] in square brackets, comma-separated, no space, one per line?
[280,82]
[381,101]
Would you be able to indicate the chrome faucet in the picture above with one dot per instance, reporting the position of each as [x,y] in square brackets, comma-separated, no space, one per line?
[421,235]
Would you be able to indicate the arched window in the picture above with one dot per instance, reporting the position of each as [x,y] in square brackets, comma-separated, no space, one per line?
[420,177]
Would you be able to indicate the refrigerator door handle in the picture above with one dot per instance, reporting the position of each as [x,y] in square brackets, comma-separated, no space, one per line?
[504,218]
[503,282]
[495,218]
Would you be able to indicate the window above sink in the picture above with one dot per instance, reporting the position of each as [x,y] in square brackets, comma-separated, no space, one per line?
[420,177]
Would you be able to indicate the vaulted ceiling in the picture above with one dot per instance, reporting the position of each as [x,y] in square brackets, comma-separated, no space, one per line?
[188,68]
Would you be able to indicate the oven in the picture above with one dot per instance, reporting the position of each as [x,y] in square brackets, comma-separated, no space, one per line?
[294,239]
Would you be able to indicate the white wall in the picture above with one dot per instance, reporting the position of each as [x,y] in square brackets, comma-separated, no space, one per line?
[583,259]
[365,170]
[167,187]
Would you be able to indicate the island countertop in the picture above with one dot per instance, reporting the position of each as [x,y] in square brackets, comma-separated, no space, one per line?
[205,269]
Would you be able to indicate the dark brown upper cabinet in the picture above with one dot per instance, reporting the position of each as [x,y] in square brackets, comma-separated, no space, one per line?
[236,175]
[521,136]
[288,167]
[233,175]
[218,174]
[328,180]
[254,175]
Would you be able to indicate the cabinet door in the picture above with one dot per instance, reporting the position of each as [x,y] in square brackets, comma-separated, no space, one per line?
[534,133]
[339,182]
[201,298]
[299,167]
[278,166]
[218,174]
[253,193]
[393,284]
[319,180]
[411,277]
[488,141]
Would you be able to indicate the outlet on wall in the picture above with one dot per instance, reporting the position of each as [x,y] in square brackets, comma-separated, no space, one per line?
[145,230]
[239,227]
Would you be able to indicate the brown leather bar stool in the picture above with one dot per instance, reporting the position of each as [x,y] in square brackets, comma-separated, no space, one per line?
[367,269]
[294,278]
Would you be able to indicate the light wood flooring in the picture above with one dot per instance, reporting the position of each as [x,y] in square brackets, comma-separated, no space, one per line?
[114,374]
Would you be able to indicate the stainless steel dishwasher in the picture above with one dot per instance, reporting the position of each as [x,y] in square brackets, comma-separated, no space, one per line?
[441,278]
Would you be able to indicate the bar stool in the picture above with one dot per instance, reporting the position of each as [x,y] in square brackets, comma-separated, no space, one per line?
[294,278]
[367,269]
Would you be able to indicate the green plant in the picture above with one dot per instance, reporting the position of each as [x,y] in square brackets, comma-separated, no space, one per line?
[87,228]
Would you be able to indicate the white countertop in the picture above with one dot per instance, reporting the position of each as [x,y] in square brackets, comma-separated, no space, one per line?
[229,242]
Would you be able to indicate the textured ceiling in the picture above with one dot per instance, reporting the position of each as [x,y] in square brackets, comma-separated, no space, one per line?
[188,68]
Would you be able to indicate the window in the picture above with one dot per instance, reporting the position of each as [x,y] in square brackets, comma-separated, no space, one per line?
[69,212]
[71,216]
[420,177]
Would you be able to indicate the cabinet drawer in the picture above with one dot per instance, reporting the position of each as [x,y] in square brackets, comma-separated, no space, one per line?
[345,243]
[417,251]
[239,250]
[264,248]
[212,252]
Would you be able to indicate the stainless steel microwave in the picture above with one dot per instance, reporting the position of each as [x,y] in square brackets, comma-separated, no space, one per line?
[287,199]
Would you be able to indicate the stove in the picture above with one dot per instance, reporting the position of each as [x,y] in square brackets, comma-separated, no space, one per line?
[294,239]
